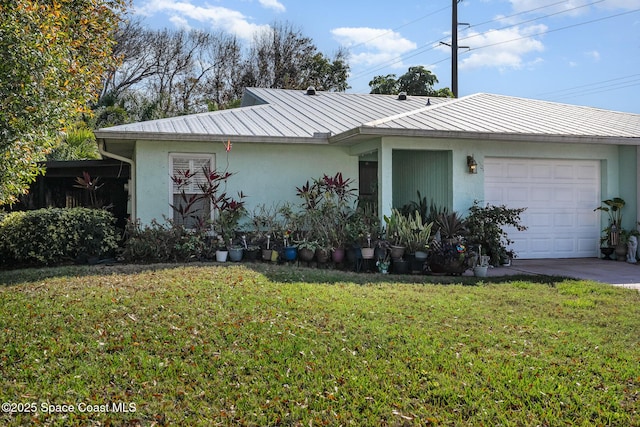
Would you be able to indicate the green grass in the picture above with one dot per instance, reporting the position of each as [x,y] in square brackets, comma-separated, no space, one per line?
[211,345]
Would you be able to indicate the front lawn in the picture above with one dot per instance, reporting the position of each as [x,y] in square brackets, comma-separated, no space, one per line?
[255,345]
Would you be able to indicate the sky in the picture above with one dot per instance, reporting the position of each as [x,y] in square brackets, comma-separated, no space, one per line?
[584,52]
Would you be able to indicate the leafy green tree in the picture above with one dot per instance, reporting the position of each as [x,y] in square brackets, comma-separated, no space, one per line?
[54,55]
[416,81]
[385,85]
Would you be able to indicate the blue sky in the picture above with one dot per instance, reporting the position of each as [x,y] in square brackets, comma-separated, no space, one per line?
[584,52]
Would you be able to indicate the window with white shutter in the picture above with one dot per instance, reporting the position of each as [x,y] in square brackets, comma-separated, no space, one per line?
[187,169]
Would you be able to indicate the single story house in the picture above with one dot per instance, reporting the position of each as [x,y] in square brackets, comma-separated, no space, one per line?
[559,161]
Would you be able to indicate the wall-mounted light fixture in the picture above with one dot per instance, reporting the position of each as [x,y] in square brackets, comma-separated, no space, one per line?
[472,164]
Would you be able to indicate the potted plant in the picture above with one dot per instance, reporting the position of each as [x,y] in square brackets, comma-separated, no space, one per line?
[613,207]
[307,249]
[383,264]
[367,248]
[448,249]
[482,264]
[290,250]
[221,250]
[394,226]
[485,226]
[329,202]
[250,248]
[416,235]
[264,221]
[236,251]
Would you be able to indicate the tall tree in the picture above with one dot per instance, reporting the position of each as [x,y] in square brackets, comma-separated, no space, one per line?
[416,81]
[167,73]
[385,85]
[283,58]
[54,54]
[223,83]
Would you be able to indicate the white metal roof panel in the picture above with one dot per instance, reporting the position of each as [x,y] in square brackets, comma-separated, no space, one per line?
[487,113]
[292,115]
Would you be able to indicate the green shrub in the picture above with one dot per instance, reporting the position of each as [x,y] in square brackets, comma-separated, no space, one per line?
[56,235]
[164,242]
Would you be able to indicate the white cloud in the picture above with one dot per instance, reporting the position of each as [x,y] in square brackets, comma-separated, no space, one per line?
[180,22]
[620,4]
[501,49]
[272,4]
[593,54]
[376,46]
[546,7]
[572,7]
[220,18]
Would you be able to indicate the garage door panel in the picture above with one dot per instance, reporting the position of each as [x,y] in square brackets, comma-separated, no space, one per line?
[493,194]
[540,194]
[564,196]
[586,172]
[540,246]
[517,194]
[516,171]
[563,220]
[559,195]
[584,219]
[567,173]
[538,220]
[565,245]
[586,196]
[540,171]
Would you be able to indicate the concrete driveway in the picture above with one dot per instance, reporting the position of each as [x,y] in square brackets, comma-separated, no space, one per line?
[617,273]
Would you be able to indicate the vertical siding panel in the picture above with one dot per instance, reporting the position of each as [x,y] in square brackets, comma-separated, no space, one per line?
[420,170]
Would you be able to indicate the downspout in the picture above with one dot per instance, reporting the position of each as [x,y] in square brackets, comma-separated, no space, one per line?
[132,168]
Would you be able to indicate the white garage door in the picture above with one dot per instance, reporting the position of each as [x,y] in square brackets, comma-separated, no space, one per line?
[559,195]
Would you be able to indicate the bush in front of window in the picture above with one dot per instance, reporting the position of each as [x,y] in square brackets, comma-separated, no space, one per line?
[164,242]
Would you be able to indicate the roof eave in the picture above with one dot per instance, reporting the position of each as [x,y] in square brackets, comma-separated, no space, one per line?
[177,137]
[372,131]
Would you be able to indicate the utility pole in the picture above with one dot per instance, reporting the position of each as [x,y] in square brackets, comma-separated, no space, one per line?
[454,46]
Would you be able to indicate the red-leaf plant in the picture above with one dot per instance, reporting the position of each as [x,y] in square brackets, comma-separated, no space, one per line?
[227,209]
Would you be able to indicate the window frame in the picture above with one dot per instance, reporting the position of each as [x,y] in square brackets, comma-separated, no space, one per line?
[191,158]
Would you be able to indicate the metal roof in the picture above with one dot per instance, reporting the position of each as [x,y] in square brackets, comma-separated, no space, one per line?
[276,115]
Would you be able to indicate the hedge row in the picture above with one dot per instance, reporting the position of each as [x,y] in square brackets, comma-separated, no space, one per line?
[55,235]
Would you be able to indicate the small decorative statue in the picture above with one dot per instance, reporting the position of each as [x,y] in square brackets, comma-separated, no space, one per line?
[632,247]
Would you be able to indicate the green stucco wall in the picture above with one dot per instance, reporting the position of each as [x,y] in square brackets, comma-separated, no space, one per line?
[266,173]
[270,173]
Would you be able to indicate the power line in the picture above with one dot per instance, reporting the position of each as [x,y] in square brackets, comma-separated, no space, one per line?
[399,27]
[608,85]
[557,29]
[432,45]
[532,20]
